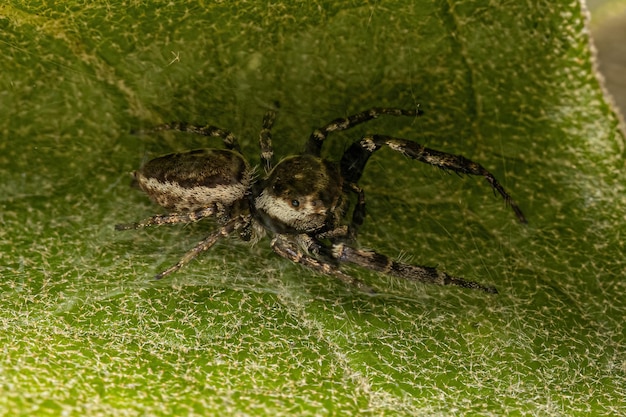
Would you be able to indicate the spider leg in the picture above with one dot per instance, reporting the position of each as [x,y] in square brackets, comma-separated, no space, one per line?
[355,158]
[206,244]
[381,263]
[314,145]
[171,218]
[265,141]
[290,250]
[358,214]
[230,140]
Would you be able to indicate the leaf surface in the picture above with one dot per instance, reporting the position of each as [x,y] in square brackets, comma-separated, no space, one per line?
[85,331]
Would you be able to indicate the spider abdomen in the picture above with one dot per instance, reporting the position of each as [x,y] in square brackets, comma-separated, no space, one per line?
[197,179]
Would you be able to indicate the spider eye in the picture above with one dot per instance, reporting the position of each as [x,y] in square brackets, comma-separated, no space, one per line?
[295,203]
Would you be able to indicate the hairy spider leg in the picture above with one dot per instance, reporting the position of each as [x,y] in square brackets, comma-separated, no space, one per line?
[381,263]
[288,249]
[314,145]
[358,213]
[229,139]
[265,141]
[207,243]
[356,156]
[171,218]
[315,142]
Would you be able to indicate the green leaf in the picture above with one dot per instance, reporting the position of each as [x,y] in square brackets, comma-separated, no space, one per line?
[85,331]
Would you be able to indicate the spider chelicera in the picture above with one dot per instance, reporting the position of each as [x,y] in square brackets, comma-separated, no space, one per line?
[303,202]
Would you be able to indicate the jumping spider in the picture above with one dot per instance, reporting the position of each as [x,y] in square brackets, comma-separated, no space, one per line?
[303,201]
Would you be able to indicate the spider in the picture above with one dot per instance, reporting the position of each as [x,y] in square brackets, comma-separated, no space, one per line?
[303,202]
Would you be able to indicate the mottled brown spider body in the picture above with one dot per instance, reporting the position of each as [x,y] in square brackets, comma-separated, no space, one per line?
[303,202]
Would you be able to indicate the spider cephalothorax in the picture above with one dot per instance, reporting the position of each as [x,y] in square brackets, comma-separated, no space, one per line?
[303,194]
[303,201]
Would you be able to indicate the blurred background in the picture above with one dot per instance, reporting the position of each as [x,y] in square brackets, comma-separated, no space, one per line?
[608,29]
